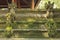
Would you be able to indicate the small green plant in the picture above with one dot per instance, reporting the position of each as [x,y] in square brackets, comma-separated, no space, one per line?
[51,26]
[8,25]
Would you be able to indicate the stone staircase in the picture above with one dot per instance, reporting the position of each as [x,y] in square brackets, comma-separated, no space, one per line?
[23,28]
